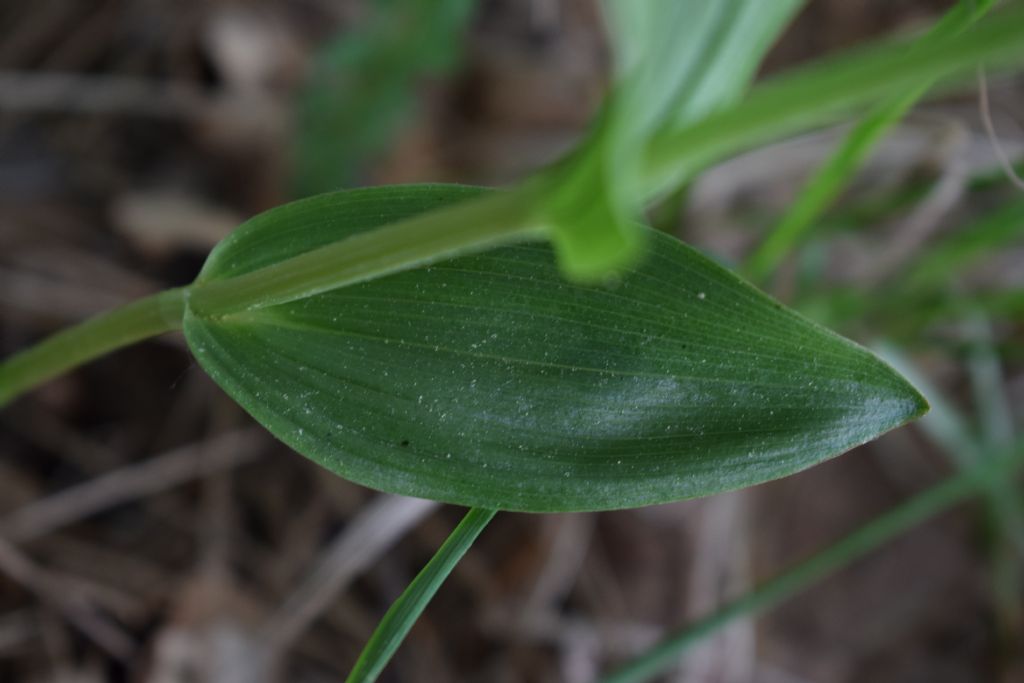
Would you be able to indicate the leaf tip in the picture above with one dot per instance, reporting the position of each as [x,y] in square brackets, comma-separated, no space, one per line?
[921,405]
[911,403]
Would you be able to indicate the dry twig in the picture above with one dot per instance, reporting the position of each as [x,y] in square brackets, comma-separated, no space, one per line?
[131,483]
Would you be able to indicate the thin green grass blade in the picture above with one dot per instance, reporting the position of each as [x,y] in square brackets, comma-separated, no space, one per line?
[868,538]
[828,89]
[401,616]
[826,184]
[836,173]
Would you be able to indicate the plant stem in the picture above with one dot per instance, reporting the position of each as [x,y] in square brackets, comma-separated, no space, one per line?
[834,175]
[826,184]
[869,537]
[809,97]
[821,93]
[473,225]
[396,623]
[138,320]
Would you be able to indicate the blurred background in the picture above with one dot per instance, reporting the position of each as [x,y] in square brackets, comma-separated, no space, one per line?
[149,532]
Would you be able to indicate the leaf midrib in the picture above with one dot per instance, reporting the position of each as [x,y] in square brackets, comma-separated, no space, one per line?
[262,318]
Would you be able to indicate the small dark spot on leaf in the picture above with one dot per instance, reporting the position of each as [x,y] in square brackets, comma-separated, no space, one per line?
[404,442]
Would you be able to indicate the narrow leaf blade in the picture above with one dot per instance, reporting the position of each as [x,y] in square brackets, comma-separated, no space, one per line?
[404,612]
[836,172]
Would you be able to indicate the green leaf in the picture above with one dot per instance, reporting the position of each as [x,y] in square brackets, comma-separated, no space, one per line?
[401,616]
[676,61]
[489,381]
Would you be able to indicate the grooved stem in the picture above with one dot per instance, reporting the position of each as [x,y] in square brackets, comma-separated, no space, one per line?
[91,339]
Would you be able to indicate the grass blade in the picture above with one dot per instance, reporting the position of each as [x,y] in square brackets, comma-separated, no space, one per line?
[396,623]
[854,546]
[826,184]
[836,172]
[823,92]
